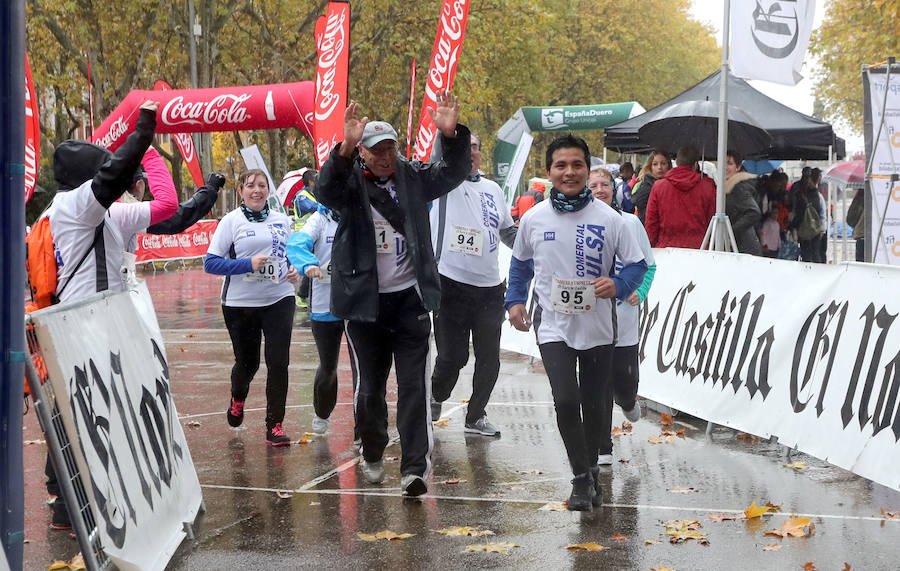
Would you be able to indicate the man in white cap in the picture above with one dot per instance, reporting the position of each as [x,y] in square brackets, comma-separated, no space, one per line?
[384,279]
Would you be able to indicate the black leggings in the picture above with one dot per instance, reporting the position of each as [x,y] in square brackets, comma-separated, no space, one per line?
[328,343]
[578,398]
[622,388]
[246,326]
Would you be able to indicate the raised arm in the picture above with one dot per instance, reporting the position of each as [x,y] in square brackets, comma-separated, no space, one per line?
[192,209]
[117,174]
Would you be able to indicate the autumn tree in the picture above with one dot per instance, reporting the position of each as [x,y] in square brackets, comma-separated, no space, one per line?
[854,33]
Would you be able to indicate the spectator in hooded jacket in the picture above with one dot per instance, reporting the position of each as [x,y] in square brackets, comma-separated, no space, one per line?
[681,205]
[741,206]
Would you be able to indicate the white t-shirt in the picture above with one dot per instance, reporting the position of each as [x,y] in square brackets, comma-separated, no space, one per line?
[574,247]
[321,229]
[470,218]
[627,315]
[249,239]
[395,270]
[74,217]
[130,218]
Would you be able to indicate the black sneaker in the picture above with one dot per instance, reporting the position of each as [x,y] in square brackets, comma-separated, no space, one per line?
[276,436]
[582,495]
[598,494]
[59,515]
[435,410]
[235,413]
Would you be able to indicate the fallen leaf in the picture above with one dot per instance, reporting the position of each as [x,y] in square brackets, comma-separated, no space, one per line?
[465,401]
[796,466]
[726,517]
[624,460]
[553,507]
[756,511]
[191,335]
[619,537]
[464,531]
[626,426]
[440,423]
[386,534]
[680,490]
[77,563]
[284,494]
[795,527]
[655,440]
[309,435]
[681,530]
[453,480]
[809,566]
[194,423]
[846,566]
[181,349]
[890,515]
[623,430]
[491,547]
[661,568]
[747,437]
[773,508]
[586,547]
[772,547]
[665,419]
[303,441]
[651,542]
[57,564]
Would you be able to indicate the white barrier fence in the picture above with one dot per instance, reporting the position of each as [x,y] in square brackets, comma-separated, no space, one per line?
[805,352]
[107,367]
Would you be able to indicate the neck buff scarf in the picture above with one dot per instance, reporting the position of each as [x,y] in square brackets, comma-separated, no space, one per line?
[473,177]
[563,203]
[253,215]
[368,173]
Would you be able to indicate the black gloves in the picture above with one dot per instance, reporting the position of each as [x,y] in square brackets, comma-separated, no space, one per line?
[215,180]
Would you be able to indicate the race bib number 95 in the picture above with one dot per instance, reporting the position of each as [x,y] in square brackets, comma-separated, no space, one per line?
[572,296]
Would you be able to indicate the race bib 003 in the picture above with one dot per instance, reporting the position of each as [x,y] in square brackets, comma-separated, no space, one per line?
[572,296]
[466,240]
[384,237]
[268,272]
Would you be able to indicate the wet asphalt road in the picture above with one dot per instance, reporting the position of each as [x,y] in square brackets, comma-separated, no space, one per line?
[502,482]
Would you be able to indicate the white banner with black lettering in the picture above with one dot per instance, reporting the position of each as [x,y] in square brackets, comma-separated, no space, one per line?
[769,38]
[805,352]
[109,371]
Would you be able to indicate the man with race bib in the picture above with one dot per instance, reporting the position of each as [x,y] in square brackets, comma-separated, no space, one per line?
[569,244]
[467,226]
[384,280]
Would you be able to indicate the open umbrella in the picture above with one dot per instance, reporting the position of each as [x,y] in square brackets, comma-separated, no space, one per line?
[290,186]
[697,123]
[848,174]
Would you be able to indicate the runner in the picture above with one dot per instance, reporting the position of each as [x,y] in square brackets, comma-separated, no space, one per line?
[309,250]
[248,248]
[625,373]
[467,226]
[568,244]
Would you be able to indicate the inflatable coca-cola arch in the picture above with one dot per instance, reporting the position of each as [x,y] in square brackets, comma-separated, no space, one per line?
[216,109]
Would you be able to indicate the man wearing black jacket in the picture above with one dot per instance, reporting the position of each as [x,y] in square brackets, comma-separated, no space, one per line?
[384,278]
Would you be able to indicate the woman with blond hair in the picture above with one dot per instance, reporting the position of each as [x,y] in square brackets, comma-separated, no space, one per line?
[655,167]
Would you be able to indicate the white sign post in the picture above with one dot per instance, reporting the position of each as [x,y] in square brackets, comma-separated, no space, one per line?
[517,166]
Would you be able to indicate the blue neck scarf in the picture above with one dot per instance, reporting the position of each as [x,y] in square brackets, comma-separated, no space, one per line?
[563,203]
[253,215]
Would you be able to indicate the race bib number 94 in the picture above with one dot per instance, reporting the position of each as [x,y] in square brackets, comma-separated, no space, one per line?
[268,272]
[572,296]
[466,240]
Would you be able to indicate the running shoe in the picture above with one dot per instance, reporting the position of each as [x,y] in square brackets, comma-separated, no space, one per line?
[605,460]
[319,425]
[482,426]
[276,436]
[373,472]
[413,485]
[634,414]
[583,493]
[235,413]
[59,515]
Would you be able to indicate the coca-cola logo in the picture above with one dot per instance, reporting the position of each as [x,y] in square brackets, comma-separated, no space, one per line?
[200,239]
[424,140]
[331,46]
[118,128]
[221,109]
[186,144]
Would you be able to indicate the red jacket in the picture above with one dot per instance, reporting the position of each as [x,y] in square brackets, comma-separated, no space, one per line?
[680,208]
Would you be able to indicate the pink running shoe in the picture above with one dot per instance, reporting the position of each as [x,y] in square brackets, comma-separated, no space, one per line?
[276,436]
[235,413]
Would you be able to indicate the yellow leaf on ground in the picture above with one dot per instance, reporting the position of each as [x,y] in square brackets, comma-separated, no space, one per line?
[661,568]
[619,537]
[553,507]
[772,547]
[623,430]
[386,534]
[309,435]
[755,511]
[890,515]
[466,531]
[655,440]
[453,480]
[681,530]
[651,542]
[772,507]
[303,441]
[626,426]
[681,490]
[796,466]
[808,566]
[586,547]
[57,564]
[77,563]
[465,401]
[491,547]
[440,423]
[795,527]
[665,419]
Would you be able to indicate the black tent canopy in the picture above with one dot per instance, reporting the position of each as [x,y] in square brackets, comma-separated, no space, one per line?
[794,135]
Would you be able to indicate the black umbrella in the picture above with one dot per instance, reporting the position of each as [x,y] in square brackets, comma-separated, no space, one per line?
[697,123]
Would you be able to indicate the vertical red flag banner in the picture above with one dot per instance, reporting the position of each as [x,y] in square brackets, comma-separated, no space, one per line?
[32,133]
[333,47]
[90,96]
[412,98]
[185,144]
[444,59]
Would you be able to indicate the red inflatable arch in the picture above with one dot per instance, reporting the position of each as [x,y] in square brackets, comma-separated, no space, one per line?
[216,109]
